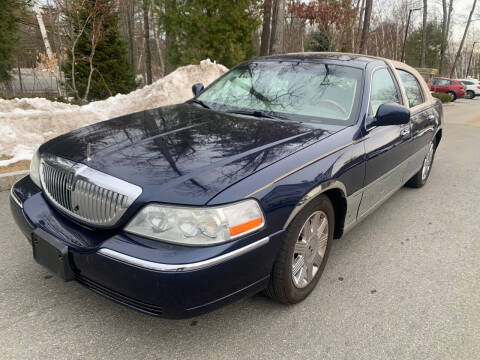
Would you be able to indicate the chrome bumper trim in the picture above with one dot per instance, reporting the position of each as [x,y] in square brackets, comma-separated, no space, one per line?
[14,197]
[182,267]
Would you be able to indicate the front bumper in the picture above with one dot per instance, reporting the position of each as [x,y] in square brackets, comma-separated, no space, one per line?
[153,277]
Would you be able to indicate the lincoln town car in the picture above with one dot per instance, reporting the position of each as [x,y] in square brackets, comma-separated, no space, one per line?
[178,210]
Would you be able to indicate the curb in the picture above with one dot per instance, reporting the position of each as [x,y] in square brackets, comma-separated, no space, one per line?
[7,180]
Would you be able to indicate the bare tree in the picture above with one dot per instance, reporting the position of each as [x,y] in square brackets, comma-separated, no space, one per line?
[276,45]
[366,26]
[127,11]
[75,30]
[361,12]
[156,36]
[146,30]
[267,19]
[274,25]
[424,33]
[447,13]
[43,30]
[169,36]
[459,52]
[444,32]
[99,13]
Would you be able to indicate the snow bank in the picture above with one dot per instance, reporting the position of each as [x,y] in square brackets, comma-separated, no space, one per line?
[27,123]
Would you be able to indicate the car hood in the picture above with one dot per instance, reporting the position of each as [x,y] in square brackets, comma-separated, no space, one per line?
[184,154]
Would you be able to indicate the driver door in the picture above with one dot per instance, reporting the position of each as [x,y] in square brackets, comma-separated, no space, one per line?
[386,147]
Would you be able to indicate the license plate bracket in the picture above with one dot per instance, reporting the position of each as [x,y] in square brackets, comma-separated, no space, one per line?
[51,253]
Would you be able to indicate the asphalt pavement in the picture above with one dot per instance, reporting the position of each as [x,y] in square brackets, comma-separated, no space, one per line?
[403,284]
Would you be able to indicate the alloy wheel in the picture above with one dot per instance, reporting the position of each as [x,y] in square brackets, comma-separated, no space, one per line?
[310,249]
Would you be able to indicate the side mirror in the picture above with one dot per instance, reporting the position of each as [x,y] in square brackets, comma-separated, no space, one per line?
[197,89]
[391,114]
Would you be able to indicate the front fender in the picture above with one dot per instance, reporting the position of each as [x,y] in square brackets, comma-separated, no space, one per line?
[312,194]
[284,188]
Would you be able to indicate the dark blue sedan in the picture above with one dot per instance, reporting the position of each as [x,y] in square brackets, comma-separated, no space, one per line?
[178,210]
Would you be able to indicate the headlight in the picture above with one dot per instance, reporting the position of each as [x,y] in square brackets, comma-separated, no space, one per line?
[35,169]
[197,226]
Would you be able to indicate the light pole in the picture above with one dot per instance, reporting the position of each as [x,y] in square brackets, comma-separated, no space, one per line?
[406,32]
[470,60]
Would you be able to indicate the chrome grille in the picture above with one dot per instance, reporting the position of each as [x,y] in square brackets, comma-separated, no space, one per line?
[58,185]
[97,203]
[84,193]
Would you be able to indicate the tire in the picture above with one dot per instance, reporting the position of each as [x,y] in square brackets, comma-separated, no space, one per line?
[421,178]
[284,286]
[470,94]
[453,97]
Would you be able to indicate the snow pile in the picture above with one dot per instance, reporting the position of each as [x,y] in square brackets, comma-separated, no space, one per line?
[27,123]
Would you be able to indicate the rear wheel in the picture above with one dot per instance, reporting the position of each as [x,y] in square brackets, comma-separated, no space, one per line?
[453,97]
[420,178]
[470,94]
[304,252]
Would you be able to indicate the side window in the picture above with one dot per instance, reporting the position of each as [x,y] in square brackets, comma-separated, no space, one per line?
[435,81]
[412,88]
[383,91]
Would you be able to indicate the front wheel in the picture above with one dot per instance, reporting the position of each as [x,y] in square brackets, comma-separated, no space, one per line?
[470,94]
[304,252]
[420,178]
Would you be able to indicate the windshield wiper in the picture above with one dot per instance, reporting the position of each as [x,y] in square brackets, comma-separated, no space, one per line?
[200,102]
[256,113]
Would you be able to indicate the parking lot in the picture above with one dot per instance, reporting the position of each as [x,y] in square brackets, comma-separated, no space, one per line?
[404,284]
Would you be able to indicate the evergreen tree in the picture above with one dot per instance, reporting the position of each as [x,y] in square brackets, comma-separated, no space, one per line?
[317,41]
[8,35]
[111,71]
[433,46]
[217,29]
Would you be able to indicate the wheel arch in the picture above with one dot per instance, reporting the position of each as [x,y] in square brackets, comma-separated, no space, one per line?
[438,137]
[336,192]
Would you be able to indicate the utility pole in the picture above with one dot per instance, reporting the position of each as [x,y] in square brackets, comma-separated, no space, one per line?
[470,60]
[406,32]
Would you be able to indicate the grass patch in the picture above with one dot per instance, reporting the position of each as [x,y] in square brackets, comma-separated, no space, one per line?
[444,98]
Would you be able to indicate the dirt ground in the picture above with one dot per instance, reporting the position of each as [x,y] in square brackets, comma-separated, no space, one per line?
[18,166]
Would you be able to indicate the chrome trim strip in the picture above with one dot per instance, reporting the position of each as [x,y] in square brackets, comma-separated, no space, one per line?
[181,267]
[380,202]
[306,164]
[14,197]
[335,184]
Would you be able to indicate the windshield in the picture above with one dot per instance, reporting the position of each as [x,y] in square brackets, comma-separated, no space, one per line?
[299,91]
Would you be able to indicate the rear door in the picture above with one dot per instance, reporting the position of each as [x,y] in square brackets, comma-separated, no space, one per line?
[442,85]
[423,120]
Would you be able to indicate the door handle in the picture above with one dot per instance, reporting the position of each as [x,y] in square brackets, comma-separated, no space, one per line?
[405,131]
